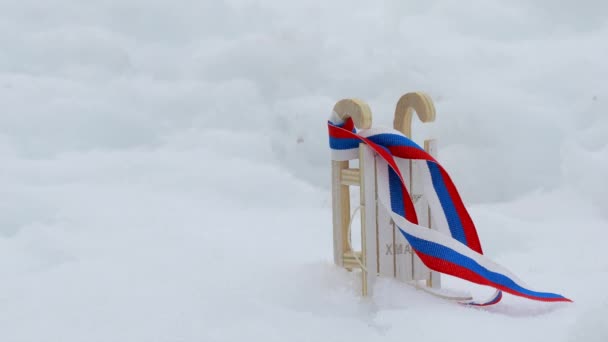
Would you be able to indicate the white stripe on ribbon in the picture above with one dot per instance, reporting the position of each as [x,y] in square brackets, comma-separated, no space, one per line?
[343,155]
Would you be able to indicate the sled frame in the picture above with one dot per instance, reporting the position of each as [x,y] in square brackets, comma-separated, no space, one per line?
[384,251]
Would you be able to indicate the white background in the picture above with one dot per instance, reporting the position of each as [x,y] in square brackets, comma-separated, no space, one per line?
[164,168]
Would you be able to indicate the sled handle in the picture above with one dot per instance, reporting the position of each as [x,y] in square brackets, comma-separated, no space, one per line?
[419,102]
[356,109]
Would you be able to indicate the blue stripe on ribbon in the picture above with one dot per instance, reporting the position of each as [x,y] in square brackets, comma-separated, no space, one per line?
[396,194]
[389,139]
[449,209]
[449,255]
[343,143]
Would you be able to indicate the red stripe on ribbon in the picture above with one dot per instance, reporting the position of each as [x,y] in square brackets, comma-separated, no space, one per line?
[470,232]
[409,152]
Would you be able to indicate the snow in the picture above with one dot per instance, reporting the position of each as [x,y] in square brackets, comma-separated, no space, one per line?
[164,168]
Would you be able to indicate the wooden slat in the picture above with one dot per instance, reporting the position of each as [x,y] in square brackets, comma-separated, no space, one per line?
[385,243]
[368,197]
[340,210]
[435,278]
[350,177]
[350,260]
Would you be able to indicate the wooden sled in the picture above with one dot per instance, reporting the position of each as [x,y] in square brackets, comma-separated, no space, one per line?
[384,250]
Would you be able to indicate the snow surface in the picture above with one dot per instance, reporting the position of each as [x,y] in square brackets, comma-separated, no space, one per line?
[164,166]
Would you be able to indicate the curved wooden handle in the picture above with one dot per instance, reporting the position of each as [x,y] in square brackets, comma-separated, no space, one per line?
[419,102]
[356,109]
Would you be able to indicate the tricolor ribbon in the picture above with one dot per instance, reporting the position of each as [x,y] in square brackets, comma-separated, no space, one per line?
[454,248]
